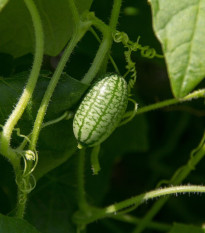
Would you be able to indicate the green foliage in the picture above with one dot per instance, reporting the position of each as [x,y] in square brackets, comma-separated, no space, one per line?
[16,29]
[3,3]
[100,189]
[11,225]
[180,28]
[67,93]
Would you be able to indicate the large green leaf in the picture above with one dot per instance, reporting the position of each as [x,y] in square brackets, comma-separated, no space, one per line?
[182,228]
[15,225]
[180,27]
[3,4]
[16,29]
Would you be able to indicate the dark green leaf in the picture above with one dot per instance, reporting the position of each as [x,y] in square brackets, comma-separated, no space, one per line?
[66,94]
[16,29]
[54,200]
[182,228]
[180,26]
[56,145]
[15,225]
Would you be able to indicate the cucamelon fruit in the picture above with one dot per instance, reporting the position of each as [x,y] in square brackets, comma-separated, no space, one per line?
[100,111]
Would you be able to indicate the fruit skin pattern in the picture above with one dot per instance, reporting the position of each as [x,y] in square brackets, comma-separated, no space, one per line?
[100,111]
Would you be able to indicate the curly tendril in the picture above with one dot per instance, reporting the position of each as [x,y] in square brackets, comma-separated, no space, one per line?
[131,69]
[29,155]
[146,51]
[25,185]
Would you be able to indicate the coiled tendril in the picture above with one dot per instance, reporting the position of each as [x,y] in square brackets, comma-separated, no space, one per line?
[146,51]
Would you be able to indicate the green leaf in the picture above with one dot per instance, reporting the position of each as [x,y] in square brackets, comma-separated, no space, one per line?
[182,228]
[180,27]
[54,200]
[56,145]
[15,225]
[3,4]
[16,28]
[67,93]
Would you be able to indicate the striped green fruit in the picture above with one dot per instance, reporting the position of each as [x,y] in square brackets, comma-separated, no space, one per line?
[100,111]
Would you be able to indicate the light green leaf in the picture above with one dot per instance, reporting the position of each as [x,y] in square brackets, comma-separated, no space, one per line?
[3,4]
[182,228]
[180,27]
[15,225]
[16,28]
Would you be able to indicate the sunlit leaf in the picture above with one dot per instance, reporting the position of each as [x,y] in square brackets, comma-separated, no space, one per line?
[180,27]
[3,4]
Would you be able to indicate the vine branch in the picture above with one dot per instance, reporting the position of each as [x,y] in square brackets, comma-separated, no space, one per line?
[135,202]
[103,51]
[196,155]
[28,91]
[80,30]
[194,95]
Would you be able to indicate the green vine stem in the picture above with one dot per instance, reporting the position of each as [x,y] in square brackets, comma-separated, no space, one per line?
[95,159]
[136,201]
[82,203]
[106,43]
[80,30]
[152,194]
[101,53]
[113,23]
[110,57]
[134,220]
[28,91]
[196,155]
[194,95]
[65,116]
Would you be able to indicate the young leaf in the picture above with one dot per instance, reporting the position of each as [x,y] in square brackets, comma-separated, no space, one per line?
[11,225]
[180,27]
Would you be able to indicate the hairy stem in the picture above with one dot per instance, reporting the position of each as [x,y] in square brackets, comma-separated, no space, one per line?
[113,24]
[80,29]
[110,57]
[102,54]
[133,220]
[50,89]
[28,91]
[98,60]
[194,95]
[138,200]
[82,203]
[196,156]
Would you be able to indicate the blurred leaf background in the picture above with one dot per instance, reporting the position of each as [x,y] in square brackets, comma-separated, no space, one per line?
[133,160]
